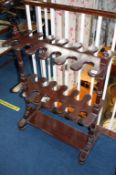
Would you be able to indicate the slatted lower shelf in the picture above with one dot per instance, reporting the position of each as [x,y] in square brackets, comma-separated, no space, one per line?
[58,129]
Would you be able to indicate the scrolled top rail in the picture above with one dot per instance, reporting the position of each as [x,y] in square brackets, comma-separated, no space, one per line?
[71,8]
[46,49]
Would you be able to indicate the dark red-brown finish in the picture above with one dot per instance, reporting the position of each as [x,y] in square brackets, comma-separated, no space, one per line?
[35,91]
[59,52]
[58,129]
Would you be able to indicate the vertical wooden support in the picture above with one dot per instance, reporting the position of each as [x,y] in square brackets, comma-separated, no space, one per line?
[92,130]
[21,68]
[104,63]
[29,24]
[40,29]
[107,74]
[23,121]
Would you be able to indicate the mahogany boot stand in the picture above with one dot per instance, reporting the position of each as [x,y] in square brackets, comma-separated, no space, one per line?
[35,91]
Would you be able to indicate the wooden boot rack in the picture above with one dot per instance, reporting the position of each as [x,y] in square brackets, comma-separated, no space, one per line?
[36,90]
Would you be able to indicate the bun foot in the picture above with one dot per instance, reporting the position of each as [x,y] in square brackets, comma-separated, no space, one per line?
[17,88]
[83,157]
[22,123]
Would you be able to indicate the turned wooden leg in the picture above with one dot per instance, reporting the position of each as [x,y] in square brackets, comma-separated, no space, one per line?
[92,137]
[85,152]
[23,122]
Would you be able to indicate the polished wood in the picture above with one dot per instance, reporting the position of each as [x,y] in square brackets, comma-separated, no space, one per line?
[48,49]
[71,8]
[58,129]
[35,91]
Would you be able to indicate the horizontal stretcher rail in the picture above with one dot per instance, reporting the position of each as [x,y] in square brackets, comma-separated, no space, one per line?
[58,129]
[71,8]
